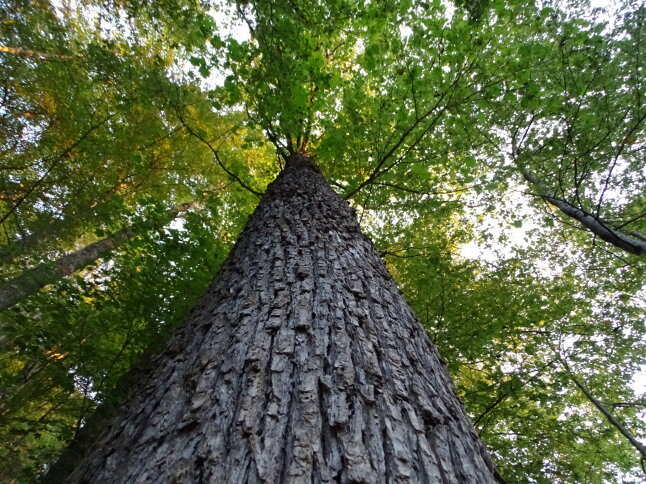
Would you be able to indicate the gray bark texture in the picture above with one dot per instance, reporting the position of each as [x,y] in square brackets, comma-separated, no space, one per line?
[302,363]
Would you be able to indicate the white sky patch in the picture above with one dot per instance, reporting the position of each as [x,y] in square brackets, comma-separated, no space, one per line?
[498,227]
[229,24]
[405,31]
[177,224]
[639,381]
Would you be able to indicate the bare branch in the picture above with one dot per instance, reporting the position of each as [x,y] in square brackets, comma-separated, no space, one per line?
[215,154]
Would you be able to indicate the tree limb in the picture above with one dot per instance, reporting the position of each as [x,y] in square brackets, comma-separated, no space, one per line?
[611,419]
[55,162]
[33,53]
[32,280]
[635,244]
[216,155]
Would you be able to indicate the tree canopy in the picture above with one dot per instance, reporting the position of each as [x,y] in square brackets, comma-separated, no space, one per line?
[494,152]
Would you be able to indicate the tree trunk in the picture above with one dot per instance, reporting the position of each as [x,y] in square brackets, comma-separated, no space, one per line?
[302,363]
[32,280]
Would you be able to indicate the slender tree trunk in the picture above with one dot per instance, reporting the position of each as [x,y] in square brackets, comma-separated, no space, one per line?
[32,280]
[635,243]
[303,363]
[609,416]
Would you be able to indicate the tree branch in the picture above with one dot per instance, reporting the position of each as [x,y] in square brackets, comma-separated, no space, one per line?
[635,244]
[216,155]
[33,53]
[55,162]
[611,419]
[32,280]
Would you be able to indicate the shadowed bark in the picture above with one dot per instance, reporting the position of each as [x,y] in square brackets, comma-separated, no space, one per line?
[302,363]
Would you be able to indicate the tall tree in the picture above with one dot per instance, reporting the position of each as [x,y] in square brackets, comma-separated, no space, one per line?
[302,363]
[436,125]
[31,281]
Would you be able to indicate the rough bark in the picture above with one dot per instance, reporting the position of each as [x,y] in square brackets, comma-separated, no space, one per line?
[32,280]
[302,363]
